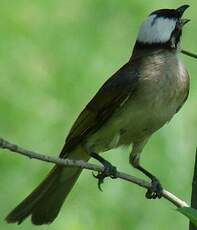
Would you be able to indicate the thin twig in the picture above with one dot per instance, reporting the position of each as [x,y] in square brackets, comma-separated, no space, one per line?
[4,144]
[194,191]
[189,54]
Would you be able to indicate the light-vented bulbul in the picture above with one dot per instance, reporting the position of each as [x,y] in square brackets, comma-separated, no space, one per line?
[135,102]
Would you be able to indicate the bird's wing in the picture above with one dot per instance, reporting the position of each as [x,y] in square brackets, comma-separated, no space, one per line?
[111,95]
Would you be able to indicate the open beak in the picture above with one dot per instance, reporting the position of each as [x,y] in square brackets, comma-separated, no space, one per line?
[181,11]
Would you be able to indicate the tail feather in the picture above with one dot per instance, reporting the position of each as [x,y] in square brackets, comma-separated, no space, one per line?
[44,203]
[50,204]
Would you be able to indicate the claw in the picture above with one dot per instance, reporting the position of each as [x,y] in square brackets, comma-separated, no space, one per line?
[155,191]
[100,178]
[109,171]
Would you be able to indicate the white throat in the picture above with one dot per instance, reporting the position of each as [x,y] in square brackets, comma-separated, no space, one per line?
[156,30]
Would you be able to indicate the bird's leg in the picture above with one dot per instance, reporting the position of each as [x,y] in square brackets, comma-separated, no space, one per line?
[156,189]
[109,170]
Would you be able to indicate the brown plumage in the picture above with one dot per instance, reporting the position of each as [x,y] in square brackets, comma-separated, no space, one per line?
[134,103]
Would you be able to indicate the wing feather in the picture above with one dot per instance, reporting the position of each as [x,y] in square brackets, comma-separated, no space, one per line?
[110,96]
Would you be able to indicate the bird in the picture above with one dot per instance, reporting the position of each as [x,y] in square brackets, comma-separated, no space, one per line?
[135,102]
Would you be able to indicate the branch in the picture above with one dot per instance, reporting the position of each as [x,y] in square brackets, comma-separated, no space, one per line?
[189,54]
[4,144]
[194,192]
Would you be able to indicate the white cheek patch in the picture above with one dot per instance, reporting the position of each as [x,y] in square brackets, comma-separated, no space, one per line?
[156,30]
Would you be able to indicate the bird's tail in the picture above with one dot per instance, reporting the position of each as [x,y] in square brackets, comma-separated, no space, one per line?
[44,203]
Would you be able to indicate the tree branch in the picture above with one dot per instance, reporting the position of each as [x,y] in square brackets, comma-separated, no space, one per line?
[189,54]
[4,144]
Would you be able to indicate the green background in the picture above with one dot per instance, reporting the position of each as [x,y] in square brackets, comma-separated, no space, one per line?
[54,55]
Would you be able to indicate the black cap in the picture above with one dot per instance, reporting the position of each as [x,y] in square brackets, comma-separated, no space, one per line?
[171,13]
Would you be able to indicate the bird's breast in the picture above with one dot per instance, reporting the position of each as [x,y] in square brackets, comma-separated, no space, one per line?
[158,95]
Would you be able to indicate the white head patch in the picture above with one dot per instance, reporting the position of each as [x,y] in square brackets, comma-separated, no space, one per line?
[156,30]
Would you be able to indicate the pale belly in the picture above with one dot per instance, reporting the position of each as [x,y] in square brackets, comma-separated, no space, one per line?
[132,123]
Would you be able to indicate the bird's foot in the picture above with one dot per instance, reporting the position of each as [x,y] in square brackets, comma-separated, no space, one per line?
[108,171]
[155,191]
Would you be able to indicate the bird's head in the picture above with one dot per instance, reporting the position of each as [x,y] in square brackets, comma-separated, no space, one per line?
[162,28]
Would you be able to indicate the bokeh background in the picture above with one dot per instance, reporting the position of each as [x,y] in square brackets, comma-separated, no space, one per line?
[54,55]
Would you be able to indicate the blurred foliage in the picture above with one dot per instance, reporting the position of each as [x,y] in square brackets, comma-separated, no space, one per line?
[189,213]
[54,55]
